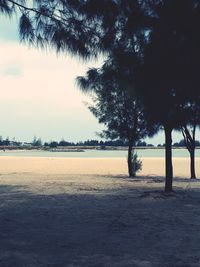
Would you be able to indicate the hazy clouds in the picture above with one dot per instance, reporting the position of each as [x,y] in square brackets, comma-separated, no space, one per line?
[39,96]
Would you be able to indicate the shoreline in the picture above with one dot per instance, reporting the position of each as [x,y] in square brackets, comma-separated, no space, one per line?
[79,149]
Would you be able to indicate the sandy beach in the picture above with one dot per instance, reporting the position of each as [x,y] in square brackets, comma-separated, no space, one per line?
[86,212]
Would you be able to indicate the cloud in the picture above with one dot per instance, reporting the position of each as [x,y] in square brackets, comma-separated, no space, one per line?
[46,77]
[38,95]
[11,71]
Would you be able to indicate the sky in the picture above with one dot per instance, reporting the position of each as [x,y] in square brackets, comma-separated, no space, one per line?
[39,96]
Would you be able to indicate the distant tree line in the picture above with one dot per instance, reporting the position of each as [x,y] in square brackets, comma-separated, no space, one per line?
[113,143]
[182,143]
[8,142]
[4,142]
[37,142]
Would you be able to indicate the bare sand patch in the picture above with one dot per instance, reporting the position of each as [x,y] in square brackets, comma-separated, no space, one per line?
[87,212]
[97,166]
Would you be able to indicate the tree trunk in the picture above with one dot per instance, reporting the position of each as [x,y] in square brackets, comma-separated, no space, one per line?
[130,167]
[168,159]
[191,145]
[192,163]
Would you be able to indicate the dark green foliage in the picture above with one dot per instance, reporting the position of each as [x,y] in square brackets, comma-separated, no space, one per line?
[120,111]
[37,142]
[65,143]
[181,143]
[53,144]
[84,28]
[118,108]
[6,7]
[26,29]
[136,164]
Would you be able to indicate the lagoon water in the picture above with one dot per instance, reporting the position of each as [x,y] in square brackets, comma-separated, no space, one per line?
[90,153]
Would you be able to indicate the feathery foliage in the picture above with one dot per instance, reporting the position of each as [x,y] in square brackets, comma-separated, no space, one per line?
[117,108]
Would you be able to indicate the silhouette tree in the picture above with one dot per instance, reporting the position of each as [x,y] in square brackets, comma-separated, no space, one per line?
[84,28]
[189,138]
[37,142]
[191,120]
[169,68]
[117,108]
[8,7]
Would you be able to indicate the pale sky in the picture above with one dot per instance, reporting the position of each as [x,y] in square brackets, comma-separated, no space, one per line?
[38,94]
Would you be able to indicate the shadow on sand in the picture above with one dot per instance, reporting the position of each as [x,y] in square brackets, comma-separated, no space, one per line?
[127,228]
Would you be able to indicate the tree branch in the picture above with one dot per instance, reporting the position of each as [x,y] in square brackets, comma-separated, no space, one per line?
[54,17]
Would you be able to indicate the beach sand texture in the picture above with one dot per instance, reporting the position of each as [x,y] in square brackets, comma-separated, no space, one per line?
[86,212]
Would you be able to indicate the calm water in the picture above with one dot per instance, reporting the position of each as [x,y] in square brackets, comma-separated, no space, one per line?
[98,153]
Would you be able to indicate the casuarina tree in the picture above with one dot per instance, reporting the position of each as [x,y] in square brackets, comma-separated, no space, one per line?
[117,108]
[168,73]
[191,121]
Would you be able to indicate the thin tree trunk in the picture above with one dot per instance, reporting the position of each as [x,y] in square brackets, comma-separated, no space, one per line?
[192,163]
[130,167]
[168,159]
[190,144]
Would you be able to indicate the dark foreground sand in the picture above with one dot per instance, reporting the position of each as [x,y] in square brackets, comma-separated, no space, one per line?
[86,212]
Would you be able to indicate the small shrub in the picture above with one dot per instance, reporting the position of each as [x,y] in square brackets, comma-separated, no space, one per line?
[136,163]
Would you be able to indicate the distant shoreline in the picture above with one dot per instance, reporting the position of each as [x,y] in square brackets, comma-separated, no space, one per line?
[82,148]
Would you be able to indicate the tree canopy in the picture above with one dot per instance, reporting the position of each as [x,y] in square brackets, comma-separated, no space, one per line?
[119,110]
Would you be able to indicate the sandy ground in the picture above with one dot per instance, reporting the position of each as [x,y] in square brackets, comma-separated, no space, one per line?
[60,212]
